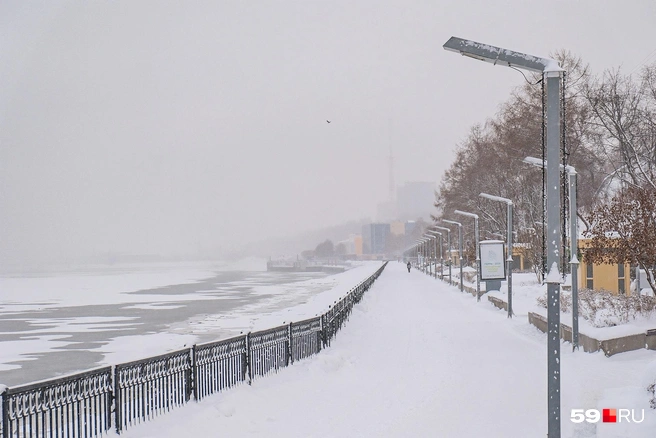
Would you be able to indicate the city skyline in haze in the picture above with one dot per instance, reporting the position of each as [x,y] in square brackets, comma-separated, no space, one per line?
[158,127]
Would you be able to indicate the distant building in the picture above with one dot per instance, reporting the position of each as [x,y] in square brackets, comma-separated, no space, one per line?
[357,242]
[397,228]
[374,238]
[409,227]
[352,245]
[415,200]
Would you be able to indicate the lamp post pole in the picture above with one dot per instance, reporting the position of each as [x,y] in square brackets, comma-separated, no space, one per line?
[430,253]
[437,233]
[459,225]
[478,250]
[509,238]
[573,243]
[423,254]
[553,257]
[574,260]
[448,238]
[550,70]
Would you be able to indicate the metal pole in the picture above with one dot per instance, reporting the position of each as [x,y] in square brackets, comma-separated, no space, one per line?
[510,258]
[435,257]
[509,244]
[431,250]
[552,72]
[574,261]
[448,235]
[460,251]
[435,242]
[442,255]
[421,255]
[478,250]
[459,225]
[436,234]
[430,257]
[553,257]
[478,260]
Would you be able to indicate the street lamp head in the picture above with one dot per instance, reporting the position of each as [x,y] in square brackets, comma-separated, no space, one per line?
[448,230]
[452,222]
[539,163]
[465,213]
[497,55]
[435,233]
[496,198]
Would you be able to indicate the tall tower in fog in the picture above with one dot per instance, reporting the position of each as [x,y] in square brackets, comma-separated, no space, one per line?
[387,210]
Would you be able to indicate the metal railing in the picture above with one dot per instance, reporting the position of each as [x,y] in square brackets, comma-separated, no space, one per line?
[219,365]
[148,387]
[88,404]
[73,406]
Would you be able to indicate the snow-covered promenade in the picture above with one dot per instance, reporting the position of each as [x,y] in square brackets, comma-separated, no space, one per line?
[418,358]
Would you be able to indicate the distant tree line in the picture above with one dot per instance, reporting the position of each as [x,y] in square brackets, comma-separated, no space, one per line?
[609,137]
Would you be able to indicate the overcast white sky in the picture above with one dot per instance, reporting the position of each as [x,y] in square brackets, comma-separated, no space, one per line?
[165,126]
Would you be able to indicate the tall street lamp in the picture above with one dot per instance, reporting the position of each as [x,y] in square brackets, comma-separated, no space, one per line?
[426,247]
[430,253]
[436,234]
[448,238]
[573,243]
[550,70]
[459,225]
[509,239]
[478,250]
[422,243]
[419,255]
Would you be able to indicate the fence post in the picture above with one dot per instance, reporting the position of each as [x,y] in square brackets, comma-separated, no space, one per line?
[5,413]
[117,400]
[290,357]
[319,340]
[244,362]
[193,374]
[248,358]
[110,400]
[323,330]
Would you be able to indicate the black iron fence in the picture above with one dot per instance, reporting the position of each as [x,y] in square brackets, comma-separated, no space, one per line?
[89,404]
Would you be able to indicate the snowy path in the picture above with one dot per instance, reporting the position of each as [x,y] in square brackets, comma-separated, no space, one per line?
[417,358]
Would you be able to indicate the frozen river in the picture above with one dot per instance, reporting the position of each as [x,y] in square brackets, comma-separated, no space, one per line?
[58,323]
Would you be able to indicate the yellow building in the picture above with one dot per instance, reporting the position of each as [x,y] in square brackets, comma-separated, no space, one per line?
[614,278]
[520,260]
[357,242]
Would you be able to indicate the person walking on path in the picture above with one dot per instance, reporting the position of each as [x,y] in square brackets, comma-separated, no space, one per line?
[409,265]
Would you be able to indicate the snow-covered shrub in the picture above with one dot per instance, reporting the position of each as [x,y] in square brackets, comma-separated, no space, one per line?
[604,309]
